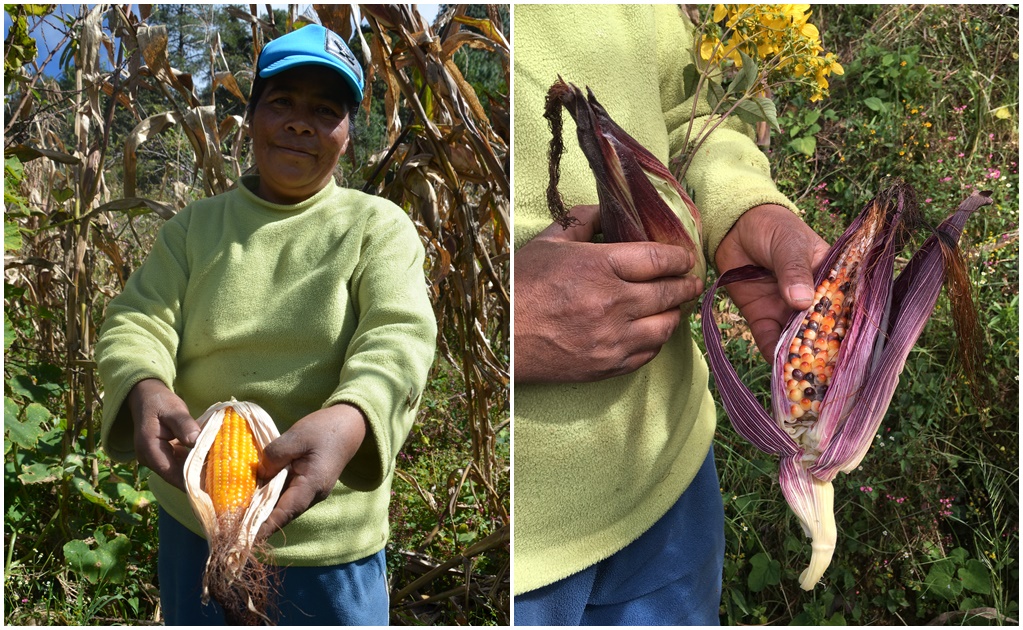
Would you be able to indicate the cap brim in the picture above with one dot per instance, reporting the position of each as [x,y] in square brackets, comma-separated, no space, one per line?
[293,61]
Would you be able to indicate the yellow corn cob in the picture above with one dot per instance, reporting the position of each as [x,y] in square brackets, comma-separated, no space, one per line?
[231,465]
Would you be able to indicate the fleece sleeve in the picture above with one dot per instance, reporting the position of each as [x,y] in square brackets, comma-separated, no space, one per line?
[390,354]
[730,174]
[140,335]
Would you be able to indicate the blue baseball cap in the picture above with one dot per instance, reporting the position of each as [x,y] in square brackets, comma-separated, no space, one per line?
[312,45]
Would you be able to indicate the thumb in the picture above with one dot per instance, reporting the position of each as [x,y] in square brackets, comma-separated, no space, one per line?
[794,267]
[278,455]
[182,425]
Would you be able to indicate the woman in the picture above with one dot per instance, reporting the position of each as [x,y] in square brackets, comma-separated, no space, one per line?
[301,296]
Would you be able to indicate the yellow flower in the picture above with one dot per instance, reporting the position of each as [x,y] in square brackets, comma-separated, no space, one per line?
[707,47]
[810,32]
[832,61]
[780,33]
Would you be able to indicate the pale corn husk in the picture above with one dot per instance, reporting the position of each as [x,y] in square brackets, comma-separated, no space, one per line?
[231,541]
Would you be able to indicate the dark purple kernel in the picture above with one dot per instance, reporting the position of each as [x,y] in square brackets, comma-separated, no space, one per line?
[797,374]
[809,392]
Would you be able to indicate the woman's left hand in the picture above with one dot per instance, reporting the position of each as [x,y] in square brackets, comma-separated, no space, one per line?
[317,447]
[774,237]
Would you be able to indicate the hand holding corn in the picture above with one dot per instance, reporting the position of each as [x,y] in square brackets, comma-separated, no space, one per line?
[164,429]
[772,237]
[317,448]
[588,311]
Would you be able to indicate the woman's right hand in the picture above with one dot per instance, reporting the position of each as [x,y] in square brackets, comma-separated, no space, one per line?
[164,429]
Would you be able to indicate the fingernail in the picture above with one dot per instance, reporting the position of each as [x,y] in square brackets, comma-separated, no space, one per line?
[801,293]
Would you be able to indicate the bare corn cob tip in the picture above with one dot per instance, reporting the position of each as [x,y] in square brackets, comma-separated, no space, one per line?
[231,465]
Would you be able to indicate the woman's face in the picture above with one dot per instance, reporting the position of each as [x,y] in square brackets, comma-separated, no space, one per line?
[299,131]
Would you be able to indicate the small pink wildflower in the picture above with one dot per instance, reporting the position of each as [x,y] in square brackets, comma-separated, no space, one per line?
[866,489]
[946,506]
[928,200]
[946,179]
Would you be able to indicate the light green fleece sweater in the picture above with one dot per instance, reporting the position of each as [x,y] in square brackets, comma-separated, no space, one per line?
[597,464]
[294,308]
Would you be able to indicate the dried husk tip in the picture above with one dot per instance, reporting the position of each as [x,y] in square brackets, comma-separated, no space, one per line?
[639,198]
[235,577]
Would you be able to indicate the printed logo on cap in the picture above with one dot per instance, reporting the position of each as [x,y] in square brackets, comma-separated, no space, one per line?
[336,47]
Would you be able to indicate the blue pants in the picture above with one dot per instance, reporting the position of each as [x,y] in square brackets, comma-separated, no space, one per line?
[353,594]
[671,575]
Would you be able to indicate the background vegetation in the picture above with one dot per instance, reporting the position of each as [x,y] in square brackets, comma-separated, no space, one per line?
[142,117]
[929,524]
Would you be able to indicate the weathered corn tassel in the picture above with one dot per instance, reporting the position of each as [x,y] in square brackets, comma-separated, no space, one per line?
[220,477]
[836,365]
[639,198]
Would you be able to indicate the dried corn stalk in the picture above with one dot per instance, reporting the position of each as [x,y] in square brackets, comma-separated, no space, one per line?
[837,363]
[220,477]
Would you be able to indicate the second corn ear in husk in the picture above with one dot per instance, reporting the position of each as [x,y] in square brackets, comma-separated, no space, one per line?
[639,198]
[837,363]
